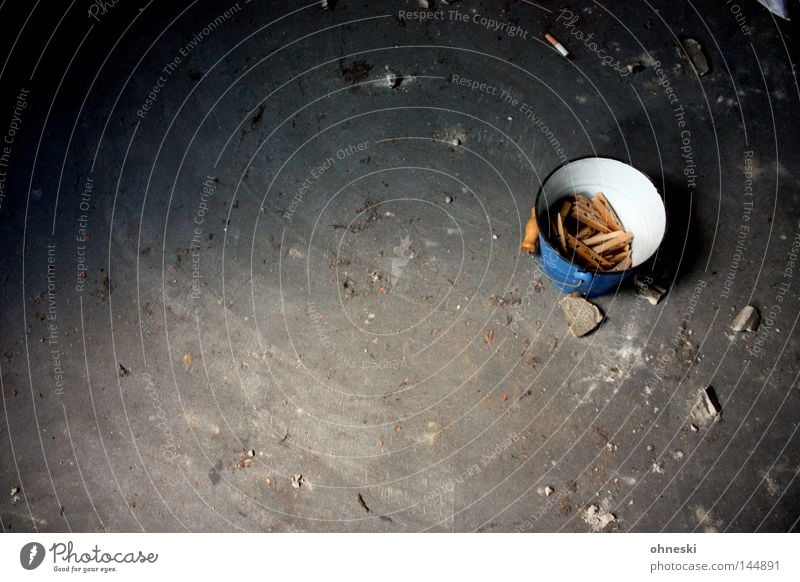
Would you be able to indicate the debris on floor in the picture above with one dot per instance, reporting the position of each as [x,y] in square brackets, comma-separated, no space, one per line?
[692,51]
[582,316]
[363,503]
[598,518]
[357,72]
[454,136]
[710,403]
[349,287]
[746,320]
[646,287]
[657,467]
[448,199]
[505,301]
[245,459]
[392,80]
[14,491]
[548,491]
[297,480]
[124,372]
[777,7]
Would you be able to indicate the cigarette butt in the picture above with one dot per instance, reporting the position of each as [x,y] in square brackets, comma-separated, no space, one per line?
[557,45]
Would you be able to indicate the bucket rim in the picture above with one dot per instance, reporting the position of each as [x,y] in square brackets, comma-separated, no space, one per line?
[590,157]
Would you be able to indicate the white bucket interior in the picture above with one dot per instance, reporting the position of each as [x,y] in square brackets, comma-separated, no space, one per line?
[632,195]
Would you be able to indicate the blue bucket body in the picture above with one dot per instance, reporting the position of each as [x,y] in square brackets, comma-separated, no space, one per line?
[634,197]
[572,278]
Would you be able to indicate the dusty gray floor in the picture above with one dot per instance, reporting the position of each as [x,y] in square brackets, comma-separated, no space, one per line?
[271,265]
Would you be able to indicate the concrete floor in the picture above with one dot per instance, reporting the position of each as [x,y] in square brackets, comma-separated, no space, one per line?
[235,295]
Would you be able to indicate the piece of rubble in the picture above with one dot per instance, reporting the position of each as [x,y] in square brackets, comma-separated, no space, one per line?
[245,459]
[710,402]
[692,51]
[548,491]
[598,518]
[693,428]
[648,289]
[392,80]
[746,320]
[297,480]
[14,491]
[582,316]
[424,4]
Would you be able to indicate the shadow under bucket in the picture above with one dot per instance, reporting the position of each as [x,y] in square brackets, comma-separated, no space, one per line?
[633,197]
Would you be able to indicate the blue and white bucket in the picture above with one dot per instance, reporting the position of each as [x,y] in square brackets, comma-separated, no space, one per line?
[633,197]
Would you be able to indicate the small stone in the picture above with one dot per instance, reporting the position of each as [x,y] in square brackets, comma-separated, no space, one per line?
[251,453]
[746,320]
[650,447]
[448,199]
[710,402]
[297,480]
[582,316]
[598,518]
[657,468]
[692,51]
[693,428]
[392,80]
[495,237]
[14,491]
[548,491]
